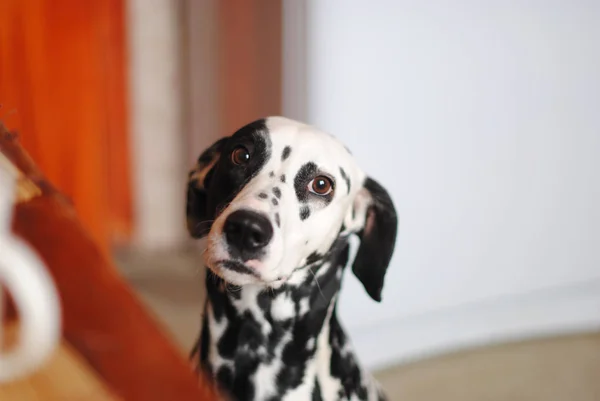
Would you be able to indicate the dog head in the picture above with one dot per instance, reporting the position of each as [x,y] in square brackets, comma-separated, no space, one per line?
[273,198]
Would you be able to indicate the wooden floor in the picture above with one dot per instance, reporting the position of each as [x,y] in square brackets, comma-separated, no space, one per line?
[65,377]
[554,369]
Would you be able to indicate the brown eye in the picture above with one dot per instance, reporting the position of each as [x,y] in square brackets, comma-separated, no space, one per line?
[240,155]
[321,185]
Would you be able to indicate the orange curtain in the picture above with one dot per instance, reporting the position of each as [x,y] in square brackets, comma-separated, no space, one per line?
[63,87]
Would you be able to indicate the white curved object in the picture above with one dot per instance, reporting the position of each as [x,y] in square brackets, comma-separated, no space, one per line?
[25,277]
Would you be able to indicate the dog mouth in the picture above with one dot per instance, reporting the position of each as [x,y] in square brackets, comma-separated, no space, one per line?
[242,269]
[237,267]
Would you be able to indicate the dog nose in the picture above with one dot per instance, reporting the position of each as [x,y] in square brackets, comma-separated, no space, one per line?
[247,232]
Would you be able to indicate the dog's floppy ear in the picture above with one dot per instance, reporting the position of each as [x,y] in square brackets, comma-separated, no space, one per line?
[373,218]
[198,222]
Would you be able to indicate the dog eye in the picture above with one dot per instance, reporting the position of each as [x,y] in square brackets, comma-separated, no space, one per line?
[321,185]
[240,155]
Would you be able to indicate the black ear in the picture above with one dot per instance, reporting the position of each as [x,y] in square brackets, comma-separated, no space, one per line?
[377,227]
[198,220]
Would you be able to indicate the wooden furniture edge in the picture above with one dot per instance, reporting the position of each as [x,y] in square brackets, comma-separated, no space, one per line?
[102,318]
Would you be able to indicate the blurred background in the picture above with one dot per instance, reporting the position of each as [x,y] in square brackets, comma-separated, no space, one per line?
[482,119]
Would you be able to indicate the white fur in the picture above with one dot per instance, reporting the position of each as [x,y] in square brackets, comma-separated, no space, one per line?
[282,307]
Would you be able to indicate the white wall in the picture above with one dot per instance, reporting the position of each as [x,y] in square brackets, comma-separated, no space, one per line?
[483,121]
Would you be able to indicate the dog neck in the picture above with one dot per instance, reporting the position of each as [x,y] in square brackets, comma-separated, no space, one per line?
[249,327]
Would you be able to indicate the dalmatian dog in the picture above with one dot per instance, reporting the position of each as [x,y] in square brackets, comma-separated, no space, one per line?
[278,202]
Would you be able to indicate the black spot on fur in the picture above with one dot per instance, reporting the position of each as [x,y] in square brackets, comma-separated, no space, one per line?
[305,174]
[313,257]
[316,393]
[243,388]
[264,301]
[304,213]
[227,343]
[240,341]
[343,365]
[291,375]
[346,178]
[274,201]
[204,339]
[282,178]
[277,192]
[250,334]
[213,292]
[277,220]
[263,195]
[286,153]
[272,174]
[201,345]
[225,376]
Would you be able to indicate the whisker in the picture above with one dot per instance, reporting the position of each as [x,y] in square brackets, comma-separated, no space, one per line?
[317,283]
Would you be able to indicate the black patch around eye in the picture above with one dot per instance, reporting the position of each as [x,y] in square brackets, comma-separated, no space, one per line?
[277,220]
[346,178]
[272,174]
[263,195]
[286,153]
[277,192]
[232,178]
[282,178]
[274,201]
[305,174]
[304,213]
